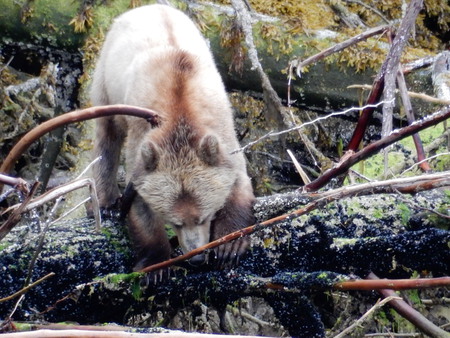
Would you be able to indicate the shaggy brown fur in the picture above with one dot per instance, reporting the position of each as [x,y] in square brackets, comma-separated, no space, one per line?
[183,172]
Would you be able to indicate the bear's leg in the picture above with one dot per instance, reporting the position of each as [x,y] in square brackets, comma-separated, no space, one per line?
[236,214]
[110,135]
[148,235]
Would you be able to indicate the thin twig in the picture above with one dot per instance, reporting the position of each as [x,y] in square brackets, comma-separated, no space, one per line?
[248,316]
[418,207]
[40,243]
[409,110]
[303,125]
[393,335]
[411,314]
[364,317]
[425,159]
[297,64]
[373,9]
[421,96]
[7,64]
[88,167]
[298,167]
[93,193]
[68,212]
[28,287]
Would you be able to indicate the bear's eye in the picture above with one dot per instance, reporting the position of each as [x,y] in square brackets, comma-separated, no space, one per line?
[204,220]
[177,225]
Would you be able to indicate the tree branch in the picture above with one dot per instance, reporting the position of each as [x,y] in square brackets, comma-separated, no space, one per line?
[378,84]
[366,152]
[28,287]
[72,117]
[411,314]
[297,64]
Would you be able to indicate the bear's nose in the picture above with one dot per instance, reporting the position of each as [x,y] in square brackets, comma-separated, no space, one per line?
[197,260]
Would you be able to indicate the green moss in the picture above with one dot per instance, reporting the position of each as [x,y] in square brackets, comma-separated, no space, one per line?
[24,327]
[374,166]
[414,297]
[4,245]
[41,21]
[444,209]
[378,213]
[405,213]
[323,275]
[123,277]
[132,279]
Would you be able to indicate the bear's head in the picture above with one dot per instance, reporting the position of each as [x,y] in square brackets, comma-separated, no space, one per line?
[185,184]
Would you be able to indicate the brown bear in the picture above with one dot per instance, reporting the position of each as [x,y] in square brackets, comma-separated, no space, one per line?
[183,171]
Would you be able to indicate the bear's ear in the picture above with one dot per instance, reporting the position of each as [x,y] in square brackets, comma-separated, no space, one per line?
[150,155]
[209,150]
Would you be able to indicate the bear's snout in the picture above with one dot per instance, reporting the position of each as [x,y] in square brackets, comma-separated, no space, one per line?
[198,260]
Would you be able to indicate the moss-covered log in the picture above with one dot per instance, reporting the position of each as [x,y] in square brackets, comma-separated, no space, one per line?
[40,22]
[77,25]
[352,237]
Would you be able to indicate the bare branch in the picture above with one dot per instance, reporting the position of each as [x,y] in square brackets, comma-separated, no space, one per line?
[421,96]
[75,116]
[109,334]
[406,185]
[52,194]
[369,150]
[411,314]
[15,217]
[14,182]
[358,322]
[394,284]
[378,84]
[305,124]
[297,64]
[28,287]
[401,83]
[393,61]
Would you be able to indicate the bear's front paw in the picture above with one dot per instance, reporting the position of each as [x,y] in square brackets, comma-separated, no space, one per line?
[158,276]
[107,211]
[113,210]
[228,255]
